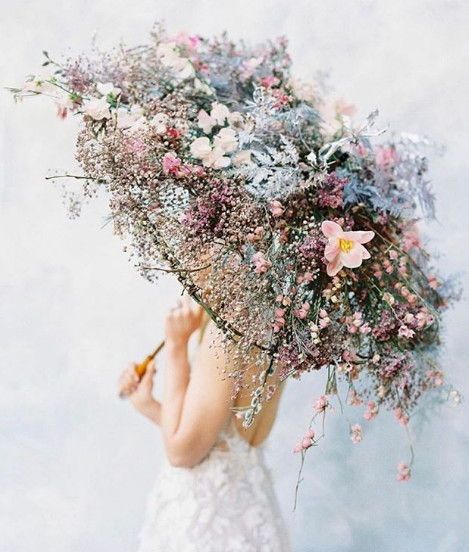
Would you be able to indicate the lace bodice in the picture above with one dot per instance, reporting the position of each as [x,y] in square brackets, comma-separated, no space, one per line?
[225,503]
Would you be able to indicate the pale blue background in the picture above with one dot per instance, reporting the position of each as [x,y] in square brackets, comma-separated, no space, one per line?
[75,463]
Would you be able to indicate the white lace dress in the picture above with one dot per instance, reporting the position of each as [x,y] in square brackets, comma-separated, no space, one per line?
[224,504]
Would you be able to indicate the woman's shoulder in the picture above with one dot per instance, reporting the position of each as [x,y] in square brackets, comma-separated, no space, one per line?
[213,346]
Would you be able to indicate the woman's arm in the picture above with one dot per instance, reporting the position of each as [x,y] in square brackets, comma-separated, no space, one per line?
[196,403]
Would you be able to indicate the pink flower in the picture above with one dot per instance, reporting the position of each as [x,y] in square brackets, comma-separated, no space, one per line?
[424,318]
[276,208]
[433,282]
[403,472]
[354,398]
[63,106]
[191,41]
[306,442]
[405,331]
[321,404]
[401,416]
[256,235]
[279,321]
[97,109]
[171,164]
[302,312]
[356,433]
[173,133]
[386,157]
[359,149]
[349,356]
[411,238]
[304,278]
[269,81]
[324,319]
[436,377]
[310,433]
[344,248]
[371,411]
[365,328]
[261,263]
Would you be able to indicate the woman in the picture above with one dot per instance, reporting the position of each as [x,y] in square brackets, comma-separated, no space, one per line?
[214,493]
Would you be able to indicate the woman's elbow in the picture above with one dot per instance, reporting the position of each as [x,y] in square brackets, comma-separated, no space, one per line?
[181,461]
[181,456]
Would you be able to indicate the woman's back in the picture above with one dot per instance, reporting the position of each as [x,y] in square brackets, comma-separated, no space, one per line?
[263,422]
[225,502]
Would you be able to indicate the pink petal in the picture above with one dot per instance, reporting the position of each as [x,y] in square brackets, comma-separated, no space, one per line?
[359,236]
[331,229]
[332,249]
[365,252]
[334,266]
[354,257]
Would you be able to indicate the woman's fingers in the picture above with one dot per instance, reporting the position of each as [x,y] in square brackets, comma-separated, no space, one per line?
[150,372]
[129,380]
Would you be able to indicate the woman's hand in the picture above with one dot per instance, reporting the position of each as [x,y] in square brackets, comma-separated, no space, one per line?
[181,322]
[140,392]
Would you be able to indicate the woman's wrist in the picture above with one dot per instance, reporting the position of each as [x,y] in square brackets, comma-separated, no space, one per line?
[176,347]
[148,407]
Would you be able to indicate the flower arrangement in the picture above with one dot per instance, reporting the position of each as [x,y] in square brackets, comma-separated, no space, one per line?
[294,228]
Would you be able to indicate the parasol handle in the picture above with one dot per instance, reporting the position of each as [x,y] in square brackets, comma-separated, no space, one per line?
[141,368]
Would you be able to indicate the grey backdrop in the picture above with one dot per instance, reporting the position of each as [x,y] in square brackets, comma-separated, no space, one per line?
[75,463]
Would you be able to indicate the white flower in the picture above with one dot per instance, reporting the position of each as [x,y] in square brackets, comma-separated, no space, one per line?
[184,69]
[455,396]
[206,123]
[97,109]
[160,122]
[312,158]
[249,66]
[390,300]
[203,87]
[130,119]
[167,50]
[242,158]
[226,140]
[216,159]
[235,119]
[211,157]
[41,83]
[107,88]
[218,116]
[201,148]
[171,58]
[220,113]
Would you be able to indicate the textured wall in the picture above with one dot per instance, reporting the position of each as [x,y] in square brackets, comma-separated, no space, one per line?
[75,463]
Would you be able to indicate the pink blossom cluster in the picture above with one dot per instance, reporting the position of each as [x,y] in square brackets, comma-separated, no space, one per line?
[356,433]
[306,442]
[403,472]
[356,323]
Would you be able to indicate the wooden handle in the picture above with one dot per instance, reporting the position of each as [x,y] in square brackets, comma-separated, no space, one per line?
[141,368]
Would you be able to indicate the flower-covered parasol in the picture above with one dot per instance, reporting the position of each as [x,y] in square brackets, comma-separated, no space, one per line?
[294,227]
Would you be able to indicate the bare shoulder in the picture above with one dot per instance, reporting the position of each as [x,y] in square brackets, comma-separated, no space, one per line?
[210,366]
[211,344]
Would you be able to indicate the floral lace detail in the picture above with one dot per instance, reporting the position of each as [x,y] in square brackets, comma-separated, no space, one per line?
[225,503]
